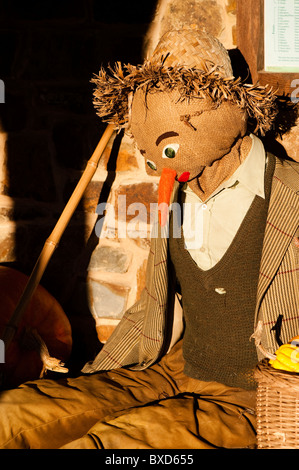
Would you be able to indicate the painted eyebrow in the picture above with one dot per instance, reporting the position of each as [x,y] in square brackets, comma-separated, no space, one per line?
[165,135]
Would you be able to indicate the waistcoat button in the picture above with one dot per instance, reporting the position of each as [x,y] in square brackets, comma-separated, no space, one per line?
[220,290]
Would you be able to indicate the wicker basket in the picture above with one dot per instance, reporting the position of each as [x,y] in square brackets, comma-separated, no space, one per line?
[277,408]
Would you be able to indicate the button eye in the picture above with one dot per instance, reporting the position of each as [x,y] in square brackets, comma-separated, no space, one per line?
[151,164]
[170,150]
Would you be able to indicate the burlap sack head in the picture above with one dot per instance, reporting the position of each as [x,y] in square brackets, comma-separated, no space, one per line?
[185,93]
[185,136]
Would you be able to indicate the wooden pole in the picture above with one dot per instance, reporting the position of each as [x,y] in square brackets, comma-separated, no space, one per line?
[53,240]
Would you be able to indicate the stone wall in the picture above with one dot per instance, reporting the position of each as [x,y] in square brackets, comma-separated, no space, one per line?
[48,132]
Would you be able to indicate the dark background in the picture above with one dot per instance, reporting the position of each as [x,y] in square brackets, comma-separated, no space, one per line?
[49,51]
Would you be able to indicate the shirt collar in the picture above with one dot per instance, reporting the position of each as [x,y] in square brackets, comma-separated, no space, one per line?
[250,173]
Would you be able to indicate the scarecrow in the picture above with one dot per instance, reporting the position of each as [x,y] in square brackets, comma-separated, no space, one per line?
[178,370]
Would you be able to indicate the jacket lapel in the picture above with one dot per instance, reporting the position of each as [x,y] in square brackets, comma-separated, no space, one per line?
[281,226]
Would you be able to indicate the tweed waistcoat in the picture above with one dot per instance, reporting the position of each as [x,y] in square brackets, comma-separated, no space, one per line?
[216,300]
[153,323]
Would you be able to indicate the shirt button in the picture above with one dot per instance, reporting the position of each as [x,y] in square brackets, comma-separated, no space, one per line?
[202,249]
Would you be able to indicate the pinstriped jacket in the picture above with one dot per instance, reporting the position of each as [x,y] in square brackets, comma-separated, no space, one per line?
[154,323]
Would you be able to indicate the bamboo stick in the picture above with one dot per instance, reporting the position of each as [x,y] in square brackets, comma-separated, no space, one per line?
[54,238]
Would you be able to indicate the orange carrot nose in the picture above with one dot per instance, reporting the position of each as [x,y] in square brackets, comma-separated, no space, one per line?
[164,192]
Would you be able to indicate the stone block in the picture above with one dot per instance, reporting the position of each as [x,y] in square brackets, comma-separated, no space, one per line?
[91,196]
[144,194]
[6,214]
[4,181]
[7,245]
[126,161]
[105,328]
[109,259]
[204,14]
[107,300]
[144,243]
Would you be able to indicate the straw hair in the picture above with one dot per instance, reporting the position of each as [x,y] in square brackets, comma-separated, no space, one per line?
[195,64]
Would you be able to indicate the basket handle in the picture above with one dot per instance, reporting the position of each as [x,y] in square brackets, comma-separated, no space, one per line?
[257,336]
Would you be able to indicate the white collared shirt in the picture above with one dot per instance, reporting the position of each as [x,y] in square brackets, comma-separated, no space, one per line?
[210,227]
